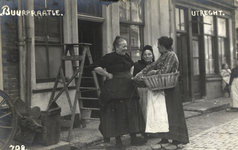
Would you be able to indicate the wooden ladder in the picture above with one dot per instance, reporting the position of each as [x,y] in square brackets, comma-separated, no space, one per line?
[78,60]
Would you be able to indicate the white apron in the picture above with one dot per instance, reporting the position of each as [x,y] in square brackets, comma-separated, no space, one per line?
[154,110]
[234,93]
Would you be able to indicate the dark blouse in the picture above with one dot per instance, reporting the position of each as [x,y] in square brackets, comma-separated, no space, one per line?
[114,63]
[234,74]
[139,66]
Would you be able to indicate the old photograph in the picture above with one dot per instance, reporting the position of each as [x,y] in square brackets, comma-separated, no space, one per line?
[118,74]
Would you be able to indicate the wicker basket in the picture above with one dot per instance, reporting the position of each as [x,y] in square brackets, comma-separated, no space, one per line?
[161,81]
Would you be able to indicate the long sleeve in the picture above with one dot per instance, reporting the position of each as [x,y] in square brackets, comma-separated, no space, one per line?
[152,66]
[234,74]
[232,77]
[170,64]
[167,63]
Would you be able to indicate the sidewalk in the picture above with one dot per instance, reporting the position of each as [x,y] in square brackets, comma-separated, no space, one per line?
[91,134]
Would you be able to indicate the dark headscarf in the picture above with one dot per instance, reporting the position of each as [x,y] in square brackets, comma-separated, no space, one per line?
[141,64]
[147,47]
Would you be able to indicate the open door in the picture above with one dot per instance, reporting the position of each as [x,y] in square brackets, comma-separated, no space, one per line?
[91,32]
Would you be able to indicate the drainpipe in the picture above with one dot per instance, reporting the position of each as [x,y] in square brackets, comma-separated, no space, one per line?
[30,47]
[22,55]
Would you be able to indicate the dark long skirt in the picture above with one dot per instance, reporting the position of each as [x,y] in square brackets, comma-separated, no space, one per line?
[177,125]
[121,117]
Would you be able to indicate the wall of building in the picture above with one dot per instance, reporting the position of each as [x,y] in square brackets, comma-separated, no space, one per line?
[10,53]
[158,22]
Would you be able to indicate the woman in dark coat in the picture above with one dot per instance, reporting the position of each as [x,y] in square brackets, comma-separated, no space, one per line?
[147,57]
[168,63]
[119,99]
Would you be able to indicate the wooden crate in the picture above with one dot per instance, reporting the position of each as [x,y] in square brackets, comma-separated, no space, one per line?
[51,127]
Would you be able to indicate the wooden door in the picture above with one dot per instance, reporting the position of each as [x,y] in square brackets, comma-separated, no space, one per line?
[182,51]
[197,79]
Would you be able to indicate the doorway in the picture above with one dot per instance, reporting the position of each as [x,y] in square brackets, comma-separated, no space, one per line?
[182,51]
[91,32]
[197,79]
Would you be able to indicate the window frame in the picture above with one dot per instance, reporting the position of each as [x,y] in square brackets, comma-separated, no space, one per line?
[39,41]
[139,24]
[185,19]
[216,49]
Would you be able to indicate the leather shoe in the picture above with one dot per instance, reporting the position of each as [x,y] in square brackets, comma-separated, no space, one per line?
[120,146]
[163,141]
[138,141]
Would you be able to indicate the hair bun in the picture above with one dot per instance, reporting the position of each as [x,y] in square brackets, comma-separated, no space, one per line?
[170,41]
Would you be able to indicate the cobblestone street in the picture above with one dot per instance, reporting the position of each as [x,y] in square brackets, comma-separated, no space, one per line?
[212,131]
[222,137]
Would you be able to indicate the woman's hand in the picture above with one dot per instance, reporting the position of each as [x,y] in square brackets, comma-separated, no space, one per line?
[152,72]
[109,76]
[229,88]
[139,75]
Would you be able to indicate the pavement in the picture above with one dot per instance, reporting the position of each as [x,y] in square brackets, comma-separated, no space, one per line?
[82,137]
[222,137]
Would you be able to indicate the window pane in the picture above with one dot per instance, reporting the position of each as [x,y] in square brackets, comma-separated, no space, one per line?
[177,19]
[222,56]
[124,32]
[221,27]
[182,22]
[195,49]
[124,11]
[195,57]
[135,55]
[135,36]
[209,54]
[41,62]
[196,67]
[90,7]
[208,28]
[55,54]
[195,24]
[136,11]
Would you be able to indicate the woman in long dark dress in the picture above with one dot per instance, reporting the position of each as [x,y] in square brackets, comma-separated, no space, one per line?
[234,87]
[119,99]
[168,63]
[147,57]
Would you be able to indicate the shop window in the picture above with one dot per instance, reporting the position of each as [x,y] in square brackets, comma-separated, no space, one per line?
[209,54]
[196,70]
[222,38]
[212,56]
[90,7]
[208,25]
[180,19]
[131,18]
[48,40]
[209,44]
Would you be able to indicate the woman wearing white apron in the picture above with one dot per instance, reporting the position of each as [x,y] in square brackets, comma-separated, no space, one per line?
[234,88]
[152,102]
[167,104]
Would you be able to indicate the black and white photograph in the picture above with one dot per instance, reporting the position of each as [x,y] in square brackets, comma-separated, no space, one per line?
[118,74]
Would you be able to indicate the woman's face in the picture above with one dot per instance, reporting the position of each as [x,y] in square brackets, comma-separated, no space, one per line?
[122,48]
[226,66]
[161,49]
[147,56]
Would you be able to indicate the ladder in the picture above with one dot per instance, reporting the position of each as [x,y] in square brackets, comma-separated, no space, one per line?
[78,59]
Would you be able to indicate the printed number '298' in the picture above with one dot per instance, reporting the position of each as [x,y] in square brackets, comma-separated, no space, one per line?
[17,147]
